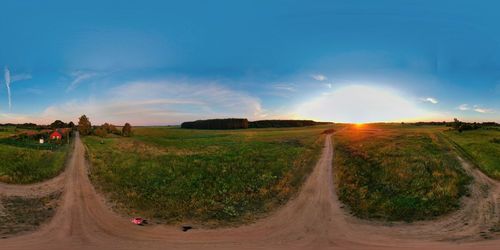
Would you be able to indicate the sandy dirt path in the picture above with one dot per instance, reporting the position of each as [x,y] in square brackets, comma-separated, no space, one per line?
[313,220]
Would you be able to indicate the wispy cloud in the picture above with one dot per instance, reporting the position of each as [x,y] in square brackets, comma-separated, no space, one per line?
[160,102]
[34,91]
[21,77]
[79,77]
[464,107]
[9,79]
[319,77]
[483,110]
[7,84]
[290,87]
[328,85]
[430,100]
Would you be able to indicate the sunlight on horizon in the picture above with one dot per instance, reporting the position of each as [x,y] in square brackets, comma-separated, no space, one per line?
[363,104]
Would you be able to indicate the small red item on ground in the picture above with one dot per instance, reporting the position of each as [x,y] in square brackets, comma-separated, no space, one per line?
[137,221]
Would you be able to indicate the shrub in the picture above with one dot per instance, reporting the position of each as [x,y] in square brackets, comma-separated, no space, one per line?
[111,129]
[127,130]
[463,126]
[101,132]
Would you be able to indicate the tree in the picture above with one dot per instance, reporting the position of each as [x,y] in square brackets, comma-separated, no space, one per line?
[456,124]
[58,124]
[71,125]
[127,130]
[84,126]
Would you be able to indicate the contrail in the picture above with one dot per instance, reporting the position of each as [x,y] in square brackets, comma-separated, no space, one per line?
[7,83]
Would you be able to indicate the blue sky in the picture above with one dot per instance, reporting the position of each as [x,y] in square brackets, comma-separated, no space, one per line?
[164,62]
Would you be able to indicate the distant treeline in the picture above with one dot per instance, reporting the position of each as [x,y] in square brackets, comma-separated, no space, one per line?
[237,123]
[56,124]
[284,123]
[460,125]
[454,123]
[230,123]
[25,125]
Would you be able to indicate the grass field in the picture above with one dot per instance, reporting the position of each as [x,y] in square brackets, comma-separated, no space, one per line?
[209,177]
[6,131]
[482,147]
[395,172]
[25,162]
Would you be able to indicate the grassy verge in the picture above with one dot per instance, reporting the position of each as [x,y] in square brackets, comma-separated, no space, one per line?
[396,173]
[482,147]
[209,177]
[25,164]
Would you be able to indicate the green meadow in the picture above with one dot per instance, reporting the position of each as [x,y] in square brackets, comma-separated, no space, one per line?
[394,172]
[211,177]
[481,146]
[25,162]
[384,171]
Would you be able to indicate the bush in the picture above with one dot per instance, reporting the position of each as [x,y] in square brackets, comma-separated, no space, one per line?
[111,129]
[101,132]
[463,126]
[127,130]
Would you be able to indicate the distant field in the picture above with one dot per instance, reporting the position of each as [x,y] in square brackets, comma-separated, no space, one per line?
[210,177]
[395,172]
[6,131]
[482,147]
[24,163]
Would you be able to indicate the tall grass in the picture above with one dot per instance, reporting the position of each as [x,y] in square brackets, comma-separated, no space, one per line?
[394,173]
[211,177]
[26,161]
[22,165]
[480,146]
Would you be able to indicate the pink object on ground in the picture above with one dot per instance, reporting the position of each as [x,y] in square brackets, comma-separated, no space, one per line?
[137,221]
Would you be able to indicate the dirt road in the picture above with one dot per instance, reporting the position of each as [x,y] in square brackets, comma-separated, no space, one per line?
[312,220]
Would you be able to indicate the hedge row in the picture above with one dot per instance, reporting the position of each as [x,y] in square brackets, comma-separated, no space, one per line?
[231,123]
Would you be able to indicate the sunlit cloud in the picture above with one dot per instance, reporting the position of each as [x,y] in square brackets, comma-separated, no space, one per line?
[160,102]
[361,103]
[430,100]
[483,110]
[464,107]
[319,77]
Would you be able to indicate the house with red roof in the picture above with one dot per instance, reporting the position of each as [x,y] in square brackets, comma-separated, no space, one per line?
[55,136]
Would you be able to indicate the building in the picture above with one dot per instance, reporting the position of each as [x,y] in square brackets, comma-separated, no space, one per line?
[55,136]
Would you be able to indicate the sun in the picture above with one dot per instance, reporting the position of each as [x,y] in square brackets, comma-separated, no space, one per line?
[361,104]
[359,125]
